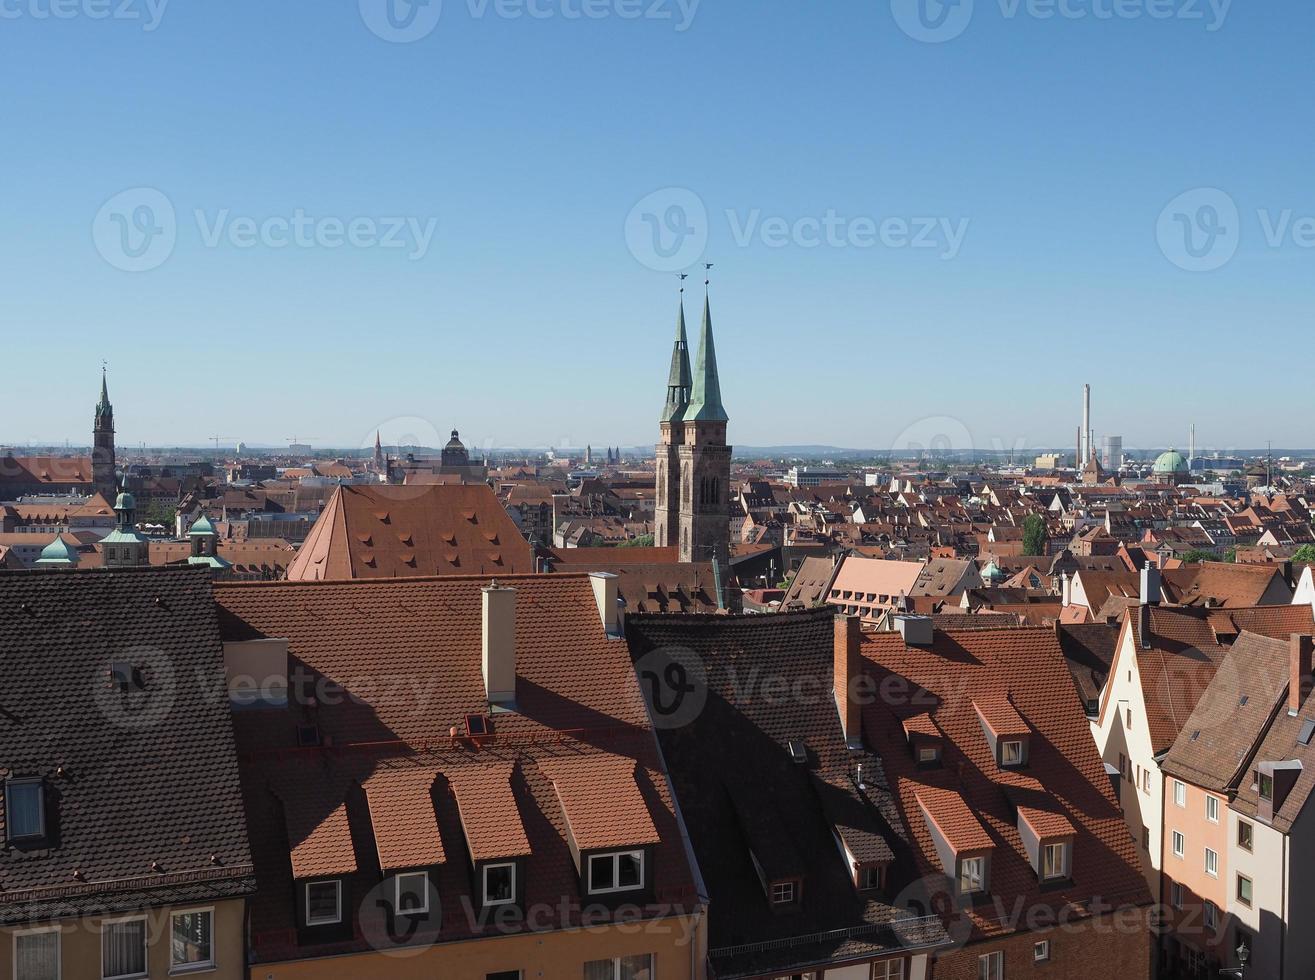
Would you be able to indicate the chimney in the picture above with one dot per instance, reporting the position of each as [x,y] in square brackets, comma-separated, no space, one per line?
[1301,649]
[499,643]
[609,612]
[845,672]
[1150,585]
[916,630]
[1066,589]
[1144,625]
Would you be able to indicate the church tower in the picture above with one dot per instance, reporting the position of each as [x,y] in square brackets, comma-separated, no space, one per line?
[705,461]
[102,443]
[125,546]
[666,531]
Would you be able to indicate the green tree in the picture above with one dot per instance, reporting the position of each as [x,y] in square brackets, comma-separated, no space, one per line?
[1196,556]
[643,541]
[1305,554]
[1034,535]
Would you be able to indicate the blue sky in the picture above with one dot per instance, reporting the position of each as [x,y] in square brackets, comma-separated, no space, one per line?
[515,160]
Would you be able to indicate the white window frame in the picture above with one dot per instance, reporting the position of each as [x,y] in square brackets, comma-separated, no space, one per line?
[1041,951]
[1061,847]
[890,969]
[991,966]
[928,753]
[146,947]
[1251,828]
[337,886]
[1176,894]
[59,947]
[1179,793]
[616,962]
[484,883]
[980,863]
[786,890]
[615,858]
[423,908]
[39,783]
[1212,808]
[189,967]
[1211,853]
[1017,760]
[1245,903]
[1210,915]
[1178,843]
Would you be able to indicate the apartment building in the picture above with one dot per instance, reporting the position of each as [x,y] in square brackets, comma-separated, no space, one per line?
[126,849]
[454,777]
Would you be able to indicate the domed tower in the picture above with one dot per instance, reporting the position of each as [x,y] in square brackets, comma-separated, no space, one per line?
[102,443]
[454,453]
[125,546]
[1170,469]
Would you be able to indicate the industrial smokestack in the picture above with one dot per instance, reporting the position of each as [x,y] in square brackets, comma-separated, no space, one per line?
[1086,422]
[1191,444]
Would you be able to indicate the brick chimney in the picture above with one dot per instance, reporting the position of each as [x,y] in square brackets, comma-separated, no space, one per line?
[499,643]
[845,671]
[1301,651]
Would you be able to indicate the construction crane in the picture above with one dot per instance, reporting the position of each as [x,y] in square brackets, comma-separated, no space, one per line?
[215,440]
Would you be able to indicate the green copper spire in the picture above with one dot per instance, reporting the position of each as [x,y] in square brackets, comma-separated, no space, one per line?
[678,381]
[705,397]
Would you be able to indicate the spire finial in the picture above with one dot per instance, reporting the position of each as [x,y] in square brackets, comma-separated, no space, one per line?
[706,277]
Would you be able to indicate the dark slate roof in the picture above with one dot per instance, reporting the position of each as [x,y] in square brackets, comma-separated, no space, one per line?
[148,776]
[768,682]
[1089,649]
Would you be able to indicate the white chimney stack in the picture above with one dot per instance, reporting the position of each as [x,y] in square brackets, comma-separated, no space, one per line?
[605,595]
[499,643]
[1086,424]
[1066,589]
[1150,585]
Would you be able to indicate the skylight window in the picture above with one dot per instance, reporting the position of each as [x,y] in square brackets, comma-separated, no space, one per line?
[798,752]
[25,809]
[1307,730]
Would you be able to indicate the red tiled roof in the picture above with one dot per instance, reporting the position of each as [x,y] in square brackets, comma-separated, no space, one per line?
[489,813]
[319,835]
[402,814]
[947,811]
[602,802]
[999,715]
[394,532]
[1046,823]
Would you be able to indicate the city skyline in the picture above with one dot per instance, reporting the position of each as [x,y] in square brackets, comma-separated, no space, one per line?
[1008,238]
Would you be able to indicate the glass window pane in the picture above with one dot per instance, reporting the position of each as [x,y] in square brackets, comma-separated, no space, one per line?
[636,967]
[498,883]
[600,970]
[124,948]
[36,956]
[190,942]
[601,872]
[628,873]
[23,801]
[412,892]
[322,903]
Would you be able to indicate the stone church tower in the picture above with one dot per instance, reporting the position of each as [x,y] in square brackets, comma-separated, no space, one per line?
[693,459]
[102,444]
[667,525]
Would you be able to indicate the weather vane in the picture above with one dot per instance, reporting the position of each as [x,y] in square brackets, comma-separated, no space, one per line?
[683,277]
[706,267]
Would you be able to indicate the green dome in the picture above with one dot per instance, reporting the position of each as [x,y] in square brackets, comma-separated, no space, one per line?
[202,526]
[1170,462]
[992,573]
[125,501]
[57,553]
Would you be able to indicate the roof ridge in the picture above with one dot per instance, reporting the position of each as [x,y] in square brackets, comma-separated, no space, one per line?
[399,580]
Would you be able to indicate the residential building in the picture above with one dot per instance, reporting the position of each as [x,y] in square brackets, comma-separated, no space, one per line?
[454,777]
[126,849]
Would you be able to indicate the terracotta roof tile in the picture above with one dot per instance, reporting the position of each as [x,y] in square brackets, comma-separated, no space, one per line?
[402,813]
[319,835]
[946,810]
[602,802]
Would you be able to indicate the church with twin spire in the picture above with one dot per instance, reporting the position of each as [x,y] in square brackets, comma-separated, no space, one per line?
[693,459]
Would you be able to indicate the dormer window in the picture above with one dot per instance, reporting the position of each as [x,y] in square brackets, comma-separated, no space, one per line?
[1265,786]
[618,872]
[1011,752]
[25,809]
[323,903]
[972,875]
[500,883]
[929,754]
[412,893]
[783,892]
[1054,861]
